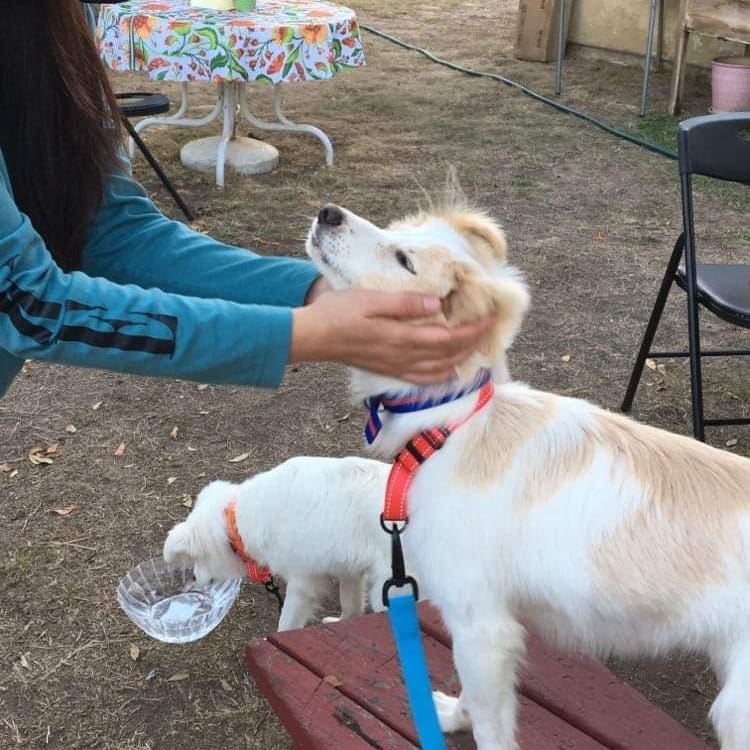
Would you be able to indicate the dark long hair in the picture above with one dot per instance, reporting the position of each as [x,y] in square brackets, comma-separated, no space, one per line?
[57,132]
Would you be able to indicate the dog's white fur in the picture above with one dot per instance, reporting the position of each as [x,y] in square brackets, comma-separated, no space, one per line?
[605,534]
[308,519]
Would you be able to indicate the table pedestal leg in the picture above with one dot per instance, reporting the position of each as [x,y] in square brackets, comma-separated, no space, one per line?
[245,155]
[283,123]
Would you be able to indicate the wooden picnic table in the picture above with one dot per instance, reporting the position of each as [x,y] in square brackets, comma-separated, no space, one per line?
[338,687]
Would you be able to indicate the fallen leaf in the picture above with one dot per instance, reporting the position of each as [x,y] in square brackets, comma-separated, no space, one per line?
[187,501]
[565,358]
[202,387]
[171,480]
[67,510]
[6,468]
[96,406]
[226,686]
[191,449]
[598,237]
[13,474]
[134,651]
[173,433]
[51,449]
[332,680]
[151,674]
[344,418]
[25,662]
[239,458]
[70,428]
[731,442]
[651,364]
[37,455]
[203,412]
[120,449]
[178,676]
[201,475]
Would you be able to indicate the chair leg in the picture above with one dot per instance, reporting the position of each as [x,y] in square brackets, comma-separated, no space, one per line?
[660,37]
[678,74]
[653,324]
[560,46]
[691,283]
[186,210]
[647,61]
[696,378]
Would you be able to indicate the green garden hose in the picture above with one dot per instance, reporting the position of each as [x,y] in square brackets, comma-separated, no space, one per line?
[653,147]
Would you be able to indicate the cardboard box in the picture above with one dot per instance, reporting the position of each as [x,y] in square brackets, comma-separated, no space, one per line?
[536,29]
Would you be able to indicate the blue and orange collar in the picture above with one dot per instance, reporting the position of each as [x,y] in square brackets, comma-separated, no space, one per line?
[416,400]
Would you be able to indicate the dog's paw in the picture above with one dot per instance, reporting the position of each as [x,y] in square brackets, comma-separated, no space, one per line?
[330,620]
[451,717]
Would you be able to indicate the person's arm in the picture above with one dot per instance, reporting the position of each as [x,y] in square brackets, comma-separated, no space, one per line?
[76,319]
[131,242]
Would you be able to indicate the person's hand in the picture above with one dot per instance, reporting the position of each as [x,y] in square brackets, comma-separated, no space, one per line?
[375,331]
[318,287]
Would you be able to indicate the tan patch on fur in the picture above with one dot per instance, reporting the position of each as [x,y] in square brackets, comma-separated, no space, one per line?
[514,422]
[677,544]
[485,237]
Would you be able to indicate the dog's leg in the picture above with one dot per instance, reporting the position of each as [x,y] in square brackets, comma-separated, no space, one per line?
[451,712]
[302,595]
[486,650]
[730,712]
[351,596]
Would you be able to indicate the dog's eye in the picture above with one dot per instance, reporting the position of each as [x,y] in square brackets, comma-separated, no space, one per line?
[404,262]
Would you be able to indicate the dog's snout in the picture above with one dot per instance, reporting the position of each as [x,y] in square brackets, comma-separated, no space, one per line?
[330,216]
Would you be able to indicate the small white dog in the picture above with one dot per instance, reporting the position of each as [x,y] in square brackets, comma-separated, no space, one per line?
[308,519]
[606,534]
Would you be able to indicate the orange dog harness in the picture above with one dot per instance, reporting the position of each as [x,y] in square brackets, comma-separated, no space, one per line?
[416,452]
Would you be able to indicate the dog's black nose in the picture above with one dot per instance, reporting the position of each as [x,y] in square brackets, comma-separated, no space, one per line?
[330,216]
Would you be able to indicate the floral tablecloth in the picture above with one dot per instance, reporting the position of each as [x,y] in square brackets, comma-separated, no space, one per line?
[281,40]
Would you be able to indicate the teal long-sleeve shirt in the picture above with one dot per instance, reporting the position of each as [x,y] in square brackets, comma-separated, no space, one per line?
[152,298]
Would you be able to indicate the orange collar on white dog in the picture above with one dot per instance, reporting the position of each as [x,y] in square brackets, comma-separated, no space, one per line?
[255,572]
[416,452]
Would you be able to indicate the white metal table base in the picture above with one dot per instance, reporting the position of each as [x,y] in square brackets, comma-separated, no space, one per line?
[283,123]
[232,98]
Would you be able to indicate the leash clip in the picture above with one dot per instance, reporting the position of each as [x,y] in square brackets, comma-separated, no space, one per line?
[398,578]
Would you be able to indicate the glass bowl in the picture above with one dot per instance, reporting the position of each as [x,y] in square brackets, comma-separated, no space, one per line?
[162,601]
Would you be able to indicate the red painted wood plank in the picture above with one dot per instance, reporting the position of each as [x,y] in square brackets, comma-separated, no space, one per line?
[361,655]
[315,713]
[587,695]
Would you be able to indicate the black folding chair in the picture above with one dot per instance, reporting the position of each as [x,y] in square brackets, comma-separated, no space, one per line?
[134,104]
[715,146]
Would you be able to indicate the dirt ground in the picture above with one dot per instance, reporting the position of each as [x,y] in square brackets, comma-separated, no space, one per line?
[590,219]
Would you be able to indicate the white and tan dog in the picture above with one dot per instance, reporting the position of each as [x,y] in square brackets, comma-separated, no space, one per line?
[608,535]
[308,520]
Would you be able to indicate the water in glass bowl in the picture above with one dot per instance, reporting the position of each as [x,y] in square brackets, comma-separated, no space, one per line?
[162,600]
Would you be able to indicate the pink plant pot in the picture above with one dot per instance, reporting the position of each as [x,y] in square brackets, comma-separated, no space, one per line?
[730,84]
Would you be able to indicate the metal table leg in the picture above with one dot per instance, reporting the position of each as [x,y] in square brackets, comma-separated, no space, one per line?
[284,124]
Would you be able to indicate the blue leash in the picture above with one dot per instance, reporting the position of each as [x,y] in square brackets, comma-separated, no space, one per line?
[402,612]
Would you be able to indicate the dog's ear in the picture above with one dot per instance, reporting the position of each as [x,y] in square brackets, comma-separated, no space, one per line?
[484,235]
[477,294]
[180,544]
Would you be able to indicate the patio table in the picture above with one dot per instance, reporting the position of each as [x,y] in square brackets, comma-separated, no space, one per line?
[281,41]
